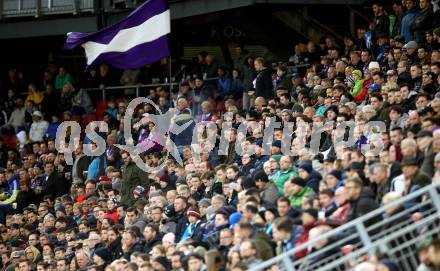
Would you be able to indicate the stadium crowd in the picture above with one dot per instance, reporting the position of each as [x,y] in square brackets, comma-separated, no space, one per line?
[225,211]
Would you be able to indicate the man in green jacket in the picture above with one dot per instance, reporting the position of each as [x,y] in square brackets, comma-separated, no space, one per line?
[63,78]
[132,176]
[298,191]
[286,171]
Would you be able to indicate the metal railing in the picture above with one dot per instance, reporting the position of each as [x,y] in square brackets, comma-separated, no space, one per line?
[350,243]
[139,87]
[37,8]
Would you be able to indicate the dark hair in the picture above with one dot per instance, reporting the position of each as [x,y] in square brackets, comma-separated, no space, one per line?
[233,167]
[132,210]
[377,96]
[327,191]
[284,224]
[283,199]
[153,227]
[251,208]
[397,109]
[380,74]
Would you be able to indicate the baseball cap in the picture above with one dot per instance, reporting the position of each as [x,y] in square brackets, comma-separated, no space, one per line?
[37,114]
[373,65]
[411,45]
[374,87]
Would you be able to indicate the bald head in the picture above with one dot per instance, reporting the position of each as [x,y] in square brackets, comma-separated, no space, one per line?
[413,117]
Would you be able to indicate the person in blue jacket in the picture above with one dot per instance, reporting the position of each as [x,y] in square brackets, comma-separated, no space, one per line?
[9,198]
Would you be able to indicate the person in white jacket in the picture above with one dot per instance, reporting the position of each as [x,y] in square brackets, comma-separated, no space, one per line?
[38,128]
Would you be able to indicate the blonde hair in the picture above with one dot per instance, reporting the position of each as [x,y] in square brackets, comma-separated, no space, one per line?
[391,197]
[36,252]
[260,101]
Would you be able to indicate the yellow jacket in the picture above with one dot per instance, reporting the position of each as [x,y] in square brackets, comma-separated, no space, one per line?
[36,97]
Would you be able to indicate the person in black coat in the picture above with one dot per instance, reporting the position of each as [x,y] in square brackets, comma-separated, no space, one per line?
[130,244]
[25,197]
[54,184]
[381,22]
[115,246]
[362,201]
[50,104]
[263,81]
[423,21]
[81,163]
[152,237]
[180,207]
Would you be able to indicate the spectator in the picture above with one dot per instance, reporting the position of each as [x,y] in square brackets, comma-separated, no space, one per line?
[298,191]
[38,128]
[309,218]
[340,215]
[63,78]
[408,20]
[268,190]
[311,176]
[361,200]
[132,177]
[249,253]
[422,21]
[285,234]
[53,184]
[263,81]
[223,84]
[381,23]
[34,95]
[286,171]
[10,197]
[201,93]
[17,119]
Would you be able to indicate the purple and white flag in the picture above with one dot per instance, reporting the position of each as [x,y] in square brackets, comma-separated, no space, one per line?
[134,42]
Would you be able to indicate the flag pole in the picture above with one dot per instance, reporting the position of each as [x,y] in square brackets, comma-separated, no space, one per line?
[170,73]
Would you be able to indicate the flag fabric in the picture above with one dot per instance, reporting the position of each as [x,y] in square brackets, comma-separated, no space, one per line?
[138,40]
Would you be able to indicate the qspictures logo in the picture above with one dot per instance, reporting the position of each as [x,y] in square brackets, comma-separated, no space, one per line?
[169,123]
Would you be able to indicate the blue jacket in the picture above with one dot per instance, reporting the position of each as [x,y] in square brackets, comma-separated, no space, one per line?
[236,87]
[93,170]
[406,30]
[313,180]
[223,87]
[52,130]
[13,185]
